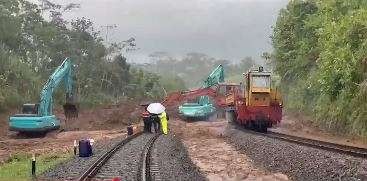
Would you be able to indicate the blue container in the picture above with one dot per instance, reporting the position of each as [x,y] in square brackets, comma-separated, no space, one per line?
[85,148]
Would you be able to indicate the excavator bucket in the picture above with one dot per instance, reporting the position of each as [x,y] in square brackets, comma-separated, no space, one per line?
[71,106]
[70,110]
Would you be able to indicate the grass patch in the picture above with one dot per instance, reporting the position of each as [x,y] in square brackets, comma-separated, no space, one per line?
[18,167]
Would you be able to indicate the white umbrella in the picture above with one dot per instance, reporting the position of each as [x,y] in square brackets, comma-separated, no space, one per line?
[156,108]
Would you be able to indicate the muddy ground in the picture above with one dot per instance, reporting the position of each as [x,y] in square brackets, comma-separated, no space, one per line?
[204,140]
[214,156]
[300,125]
[103,123]
[220,160]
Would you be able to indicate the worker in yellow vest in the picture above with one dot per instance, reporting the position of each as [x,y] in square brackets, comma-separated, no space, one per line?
[164,122]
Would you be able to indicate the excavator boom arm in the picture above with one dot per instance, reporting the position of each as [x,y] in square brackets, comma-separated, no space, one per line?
[176,98]
[209,88]
[63,73]
[215,77]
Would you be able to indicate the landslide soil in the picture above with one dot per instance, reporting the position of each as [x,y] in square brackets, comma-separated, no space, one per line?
[100,124]
[299,125]
[217,159]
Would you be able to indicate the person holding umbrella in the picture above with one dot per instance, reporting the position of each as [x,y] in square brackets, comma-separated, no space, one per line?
[159,117]
[164,122]
[147,119]
[156,123]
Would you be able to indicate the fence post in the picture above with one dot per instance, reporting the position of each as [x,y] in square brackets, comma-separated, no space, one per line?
[75,147]
[33,165]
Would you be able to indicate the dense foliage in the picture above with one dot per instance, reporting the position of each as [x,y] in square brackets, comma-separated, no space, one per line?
[32,47]
[320,51]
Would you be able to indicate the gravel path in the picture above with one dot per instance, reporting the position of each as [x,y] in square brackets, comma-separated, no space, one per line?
[170,161]
[298,162]
[73,168]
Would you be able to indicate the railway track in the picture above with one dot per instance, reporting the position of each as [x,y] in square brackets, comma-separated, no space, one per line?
[143,173]
[343,149]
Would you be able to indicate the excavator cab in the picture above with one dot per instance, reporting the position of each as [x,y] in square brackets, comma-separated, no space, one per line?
[258,88]
[30,109]
[228,91]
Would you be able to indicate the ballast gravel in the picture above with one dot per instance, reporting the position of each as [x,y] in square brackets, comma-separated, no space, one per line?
[297,161]
[126,162]
[170,161]
[75,166]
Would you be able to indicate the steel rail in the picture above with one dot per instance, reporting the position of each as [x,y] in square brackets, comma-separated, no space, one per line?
[339,148]
[97,165]
[334,147]
[144,173]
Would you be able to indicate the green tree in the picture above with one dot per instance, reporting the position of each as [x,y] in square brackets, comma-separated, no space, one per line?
[319,52]
[32,47]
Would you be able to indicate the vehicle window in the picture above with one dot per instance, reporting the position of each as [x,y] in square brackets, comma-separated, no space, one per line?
[261,81]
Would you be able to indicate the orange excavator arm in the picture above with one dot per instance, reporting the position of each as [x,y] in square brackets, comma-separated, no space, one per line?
[176,98]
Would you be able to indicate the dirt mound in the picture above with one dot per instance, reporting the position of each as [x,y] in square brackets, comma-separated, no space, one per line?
[4,123]
[102,123]
[55,143]
[103,118]
[100,118]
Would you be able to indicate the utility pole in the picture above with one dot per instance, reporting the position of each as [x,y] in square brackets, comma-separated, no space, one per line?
[129,53]
[42,4]
[128,46]
[108,27]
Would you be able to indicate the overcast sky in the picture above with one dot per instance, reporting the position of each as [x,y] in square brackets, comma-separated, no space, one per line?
[230,29]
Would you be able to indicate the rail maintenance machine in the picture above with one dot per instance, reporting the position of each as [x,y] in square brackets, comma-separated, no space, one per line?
[255,104]
[38,118]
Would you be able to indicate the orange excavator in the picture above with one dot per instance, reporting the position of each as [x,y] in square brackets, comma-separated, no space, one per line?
[203,107]
[255,104]
[218,93]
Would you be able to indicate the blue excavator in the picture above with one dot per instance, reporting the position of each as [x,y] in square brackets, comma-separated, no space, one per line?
[38,118]
[203,107]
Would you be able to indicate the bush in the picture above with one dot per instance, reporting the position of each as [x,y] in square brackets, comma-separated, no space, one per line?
[319,51]
[95,99]
[10,99]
